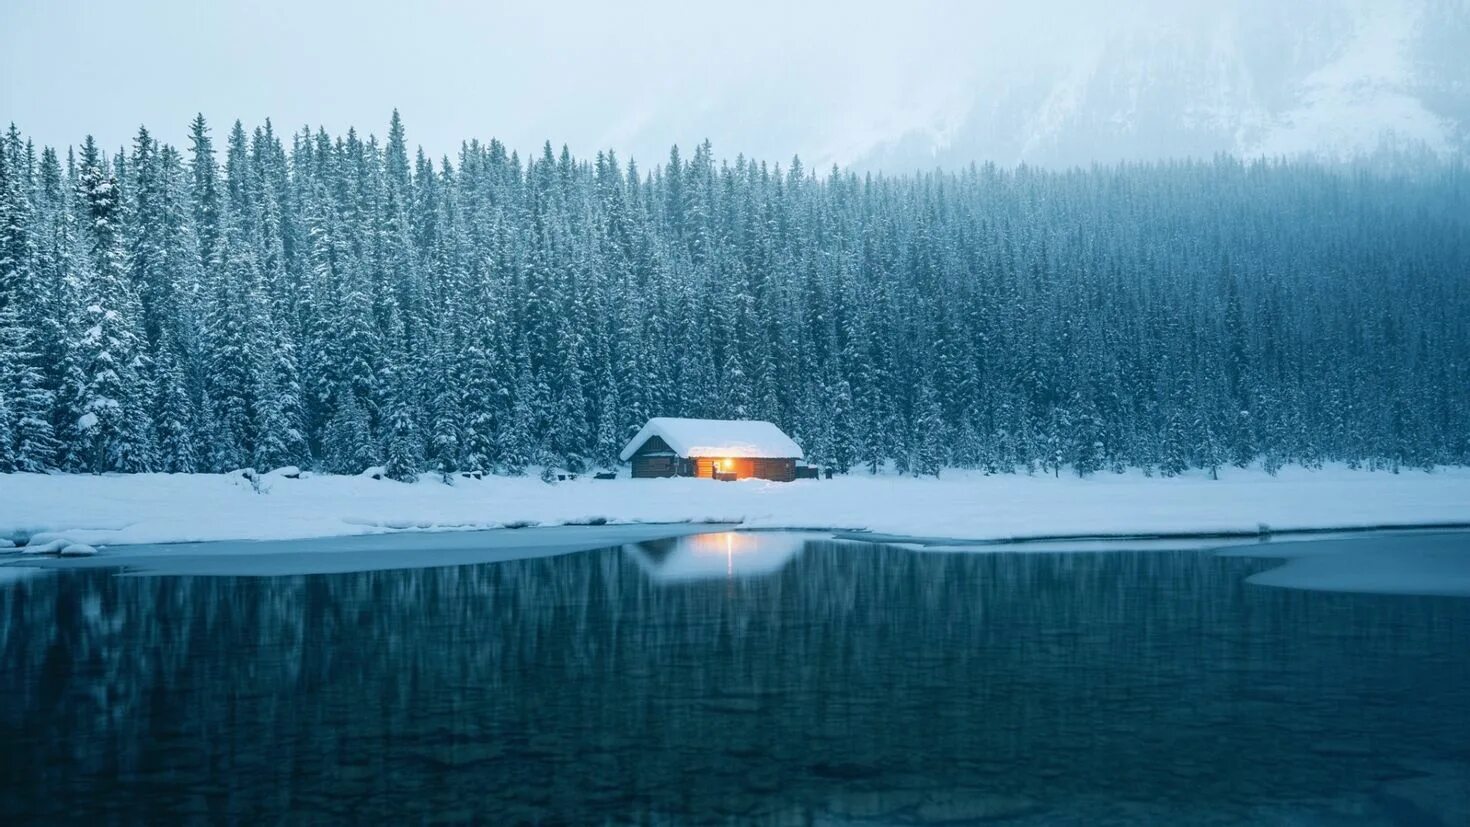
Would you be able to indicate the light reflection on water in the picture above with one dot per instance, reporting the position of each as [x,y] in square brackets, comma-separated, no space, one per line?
[742,677]
[727,554]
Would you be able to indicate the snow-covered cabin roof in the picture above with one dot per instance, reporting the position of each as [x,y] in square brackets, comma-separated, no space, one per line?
[744,438]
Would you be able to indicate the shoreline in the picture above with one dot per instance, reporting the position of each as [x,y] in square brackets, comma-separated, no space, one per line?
[961,509]
[1395,560]
[356,553]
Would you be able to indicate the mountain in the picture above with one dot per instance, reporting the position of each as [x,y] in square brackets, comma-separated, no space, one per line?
[1334,81]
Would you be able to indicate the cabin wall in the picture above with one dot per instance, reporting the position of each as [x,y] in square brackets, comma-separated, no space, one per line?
[779,470]
[654,466]
[655,458]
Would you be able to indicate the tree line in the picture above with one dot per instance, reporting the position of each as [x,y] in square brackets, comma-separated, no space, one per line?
[340,303]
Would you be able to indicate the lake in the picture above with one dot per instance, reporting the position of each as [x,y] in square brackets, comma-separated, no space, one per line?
[736,678]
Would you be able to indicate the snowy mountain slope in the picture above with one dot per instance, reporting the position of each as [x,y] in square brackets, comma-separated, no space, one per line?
[1333,81]
[1367,91]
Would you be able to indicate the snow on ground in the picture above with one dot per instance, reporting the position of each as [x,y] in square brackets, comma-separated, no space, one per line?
[111,510]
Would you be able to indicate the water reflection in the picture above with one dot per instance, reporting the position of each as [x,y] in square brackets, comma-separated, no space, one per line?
[822,683]
[725,554]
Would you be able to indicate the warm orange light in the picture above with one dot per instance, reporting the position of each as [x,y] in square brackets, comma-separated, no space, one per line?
[727,543]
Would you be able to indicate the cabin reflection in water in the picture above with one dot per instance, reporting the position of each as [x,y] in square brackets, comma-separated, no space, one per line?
[716,555]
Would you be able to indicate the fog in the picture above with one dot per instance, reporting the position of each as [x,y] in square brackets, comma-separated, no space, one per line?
[871,84]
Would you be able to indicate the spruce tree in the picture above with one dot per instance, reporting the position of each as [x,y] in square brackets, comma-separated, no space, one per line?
[7,436]
[347,445]
[928,437]
[29,443]
[174,415]
[291,308]
[402,444]
[112,419]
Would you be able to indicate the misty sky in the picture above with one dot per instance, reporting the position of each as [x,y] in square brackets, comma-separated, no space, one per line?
[828,80]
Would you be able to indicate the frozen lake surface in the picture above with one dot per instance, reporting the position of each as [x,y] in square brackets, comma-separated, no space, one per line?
[737,677]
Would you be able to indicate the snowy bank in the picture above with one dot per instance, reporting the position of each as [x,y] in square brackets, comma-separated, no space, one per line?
[168,508]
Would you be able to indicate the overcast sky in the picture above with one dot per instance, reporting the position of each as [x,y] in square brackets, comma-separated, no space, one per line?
[766,78]
[828,79]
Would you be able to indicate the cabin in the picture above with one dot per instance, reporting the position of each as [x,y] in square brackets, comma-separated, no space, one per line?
[720,449]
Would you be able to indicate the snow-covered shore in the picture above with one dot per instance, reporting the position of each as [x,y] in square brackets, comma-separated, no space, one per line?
[166,508]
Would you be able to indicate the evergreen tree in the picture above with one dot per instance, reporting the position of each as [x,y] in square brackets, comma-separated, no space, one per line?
[609,438]
[403,448]
[28,442]
[518,448]
[7,437]
[928,437]
[205,188]
[112,422]
[173,415]
[340,302]
[347,444]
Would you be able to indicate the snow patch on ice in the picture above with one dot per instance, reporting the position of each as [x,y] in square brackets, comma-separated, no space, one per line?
[377,552]
[1425,563]
[44,547]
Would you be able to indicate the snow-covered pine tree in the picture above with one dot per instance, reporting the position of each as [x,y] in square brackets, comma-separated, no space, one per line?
[403,450]
[31,442]
[204,189]
[347,445]
[609,437]
[112,419]
[28,443]
[174,415]
[568,439]
[843,455]
[7,432]
[235,363]
[517,447]
[17,241]
[1029,300]
[928,438]
[444,443]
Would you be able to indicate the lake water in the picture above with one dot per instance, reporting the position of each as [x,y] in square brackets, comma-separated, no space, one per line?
[735,678]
